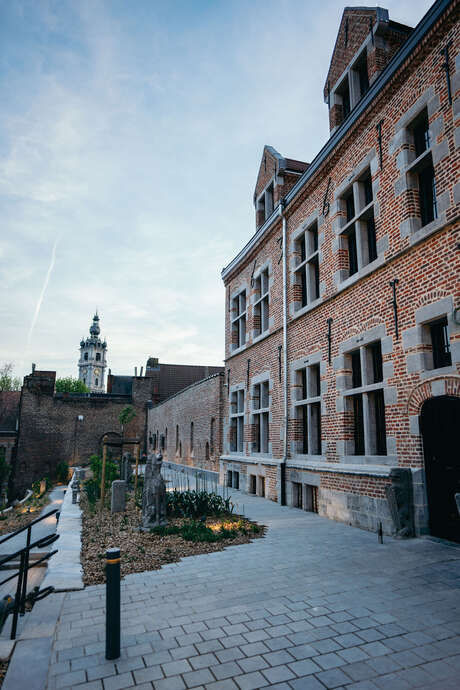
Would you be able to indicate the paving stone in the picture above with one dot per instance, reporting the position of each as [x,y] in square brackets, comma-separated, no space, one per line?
[143,675]
[304,667]
[279,657]
[104,670]
[229,654]
[333,678]
[200,677]
[208,646]
[234,640]
[125,680]
[202,661]
[251,681]
[174,668]
[130,664]
[65,680]
[303,651]
[227,684]
[375,649]
[278,674]
[171,683]
[182,652]
[254,648]
[277,643]
[327,661]
[226,670]
[307,683]
[391,681]
[157,658]
[353,654]
[252,663]
[360,670]
[325,646]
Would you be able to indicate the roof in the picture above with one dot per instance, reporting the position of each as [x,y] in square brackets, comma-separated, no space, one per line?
[176,377]
[418,34]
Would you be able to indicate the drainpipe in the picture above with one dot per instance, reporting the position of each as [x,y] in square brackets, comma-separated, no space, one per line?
[282,208]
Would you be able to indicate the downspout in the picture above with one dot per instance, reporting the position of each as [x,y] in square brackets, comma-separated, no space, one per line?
[282,208]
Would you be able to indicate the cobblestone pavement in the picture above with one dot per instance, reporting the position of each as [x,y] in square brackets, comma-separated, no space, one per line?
[315,604]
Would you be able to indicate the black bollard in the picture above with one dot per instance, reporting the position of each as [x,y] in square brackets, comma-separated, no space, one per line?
[380,533]
[112,605]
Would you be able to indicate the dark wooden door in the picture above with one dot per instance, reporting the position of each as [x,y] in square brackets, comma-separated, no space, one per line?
[440,426]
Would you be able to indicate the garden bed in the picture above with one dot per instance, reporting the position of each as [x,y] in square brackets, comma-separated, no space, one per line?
[21,515]
[141,551]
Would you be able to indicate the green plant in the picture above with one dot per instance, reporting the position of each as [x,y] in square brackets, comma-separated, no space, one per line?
[92,491]
[126,415]
[62,471]
[111,469]
[196,504]
[70,385]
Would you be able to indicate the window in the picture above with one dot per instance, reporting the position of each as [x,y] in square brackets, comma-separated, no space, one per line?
[440,343]
[261,486]
[96,382]
[252,489]
[86,356]
[237,421]
[98,356]
[311,498]
[308,410]
[353,87]
[422,167]
[366,408]
[191,437]
[211,435]
[166,438]
[297,491]
[307,268]
[265,204]
[260,415]
[358,227]
[239,320]
[162,442]
[177,438]
[360,70]
[261,303]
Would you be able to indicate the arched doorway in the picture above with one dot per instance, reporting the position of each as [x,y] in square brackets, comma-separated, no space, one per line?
[439,424]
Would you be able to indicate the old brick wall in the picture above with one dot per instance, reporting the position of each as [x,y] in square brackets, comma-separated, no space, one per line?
[198,404]
[50,432]
[425,262]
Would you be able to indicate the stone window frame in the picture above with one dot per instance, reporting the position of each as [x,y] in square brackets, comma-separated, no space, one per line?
[345,393]
[402,144]
[340,225]
[236,390]
[259,380]
[255,300]
[295,307]
[237,316]
[418,338]
[314,359]
[266,200]
[350,76]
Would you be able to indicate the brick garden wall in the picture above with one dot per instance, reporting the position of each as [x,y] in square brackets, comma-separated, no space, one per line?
[49,431]
[198,404]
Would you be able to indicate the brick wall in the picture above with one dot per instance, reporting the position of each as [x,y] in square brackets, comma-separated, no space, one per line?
[198,404]
[50,432]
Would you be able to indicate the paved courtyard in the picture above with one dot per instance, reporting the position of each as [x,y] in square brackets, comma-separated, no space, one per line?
[313,605]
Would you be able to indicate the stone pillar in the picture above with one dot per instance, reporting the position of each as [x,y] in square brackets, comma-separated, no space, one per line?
[118,504]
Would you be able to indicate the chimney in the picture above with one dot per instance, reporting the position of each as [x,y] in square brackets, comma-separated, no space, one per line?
[135,371]
[33,367]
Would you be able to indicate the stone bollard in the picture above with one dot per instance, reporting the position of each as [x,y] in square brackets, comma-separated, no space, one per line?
[118,504]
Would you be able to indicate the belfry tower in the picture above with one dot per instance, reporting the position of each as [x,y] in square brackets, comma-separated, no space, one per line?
[92,362]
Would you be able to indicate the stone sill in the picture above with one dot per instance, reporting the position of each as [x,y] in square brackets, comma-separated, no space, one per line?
[251,459]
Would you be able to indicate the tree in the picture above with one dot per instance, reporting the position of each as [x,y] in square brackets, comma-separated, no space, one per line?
[70,385]
[8,382]
[126,415]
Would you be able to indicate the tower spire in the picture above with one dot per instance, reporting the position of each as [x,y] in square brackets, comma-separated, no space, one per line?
[92,363]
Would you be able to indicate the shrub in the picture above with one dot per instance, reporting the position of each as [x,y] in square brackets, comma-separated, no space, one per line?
[111,469]
[62,472]
[92,491]
[196,504]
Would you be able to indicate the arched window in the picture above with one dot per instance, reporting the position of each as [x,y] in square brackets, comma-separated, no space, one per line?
[191,437]
[207,451]
[177,437]
[158,439]
[154,441]
[180,449]
[98,356]
[166,438]
[86,356]
[211,436]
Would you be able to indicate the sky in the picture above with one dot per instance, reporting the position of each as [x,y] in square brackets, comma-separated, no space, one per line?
[131,132]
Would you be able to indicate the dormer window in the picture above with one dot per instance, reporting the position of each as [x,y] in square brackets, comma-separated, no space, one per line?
[265,204]
[363,76]
[98,356]
[343,92]
[353,86]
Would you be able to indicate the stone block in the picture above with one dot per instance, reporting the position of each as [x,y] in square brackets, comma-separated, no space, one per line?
[118,504]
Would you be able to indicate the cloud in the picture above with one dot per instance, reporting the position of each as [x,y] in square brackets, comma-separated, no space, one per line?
[134,131]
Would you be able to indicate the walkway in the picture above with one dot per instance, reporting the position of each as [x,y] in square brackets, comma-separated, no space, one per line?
[313,605]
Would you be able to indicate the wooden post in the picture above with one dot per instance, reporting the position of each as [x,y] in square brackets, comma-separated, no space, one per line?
[137,467]
[104,458]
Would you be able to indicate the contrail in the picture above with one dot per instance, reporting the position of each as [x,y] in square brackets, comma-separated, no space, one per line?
[45,285]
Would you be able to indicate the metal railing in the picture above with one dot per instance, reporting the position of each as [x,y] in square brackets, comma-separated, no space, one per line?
[23,554]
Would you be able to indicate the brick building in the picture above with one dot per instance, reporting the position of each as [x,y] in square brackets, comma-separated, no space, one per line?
[9,415]
[187,426]
[343,309]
